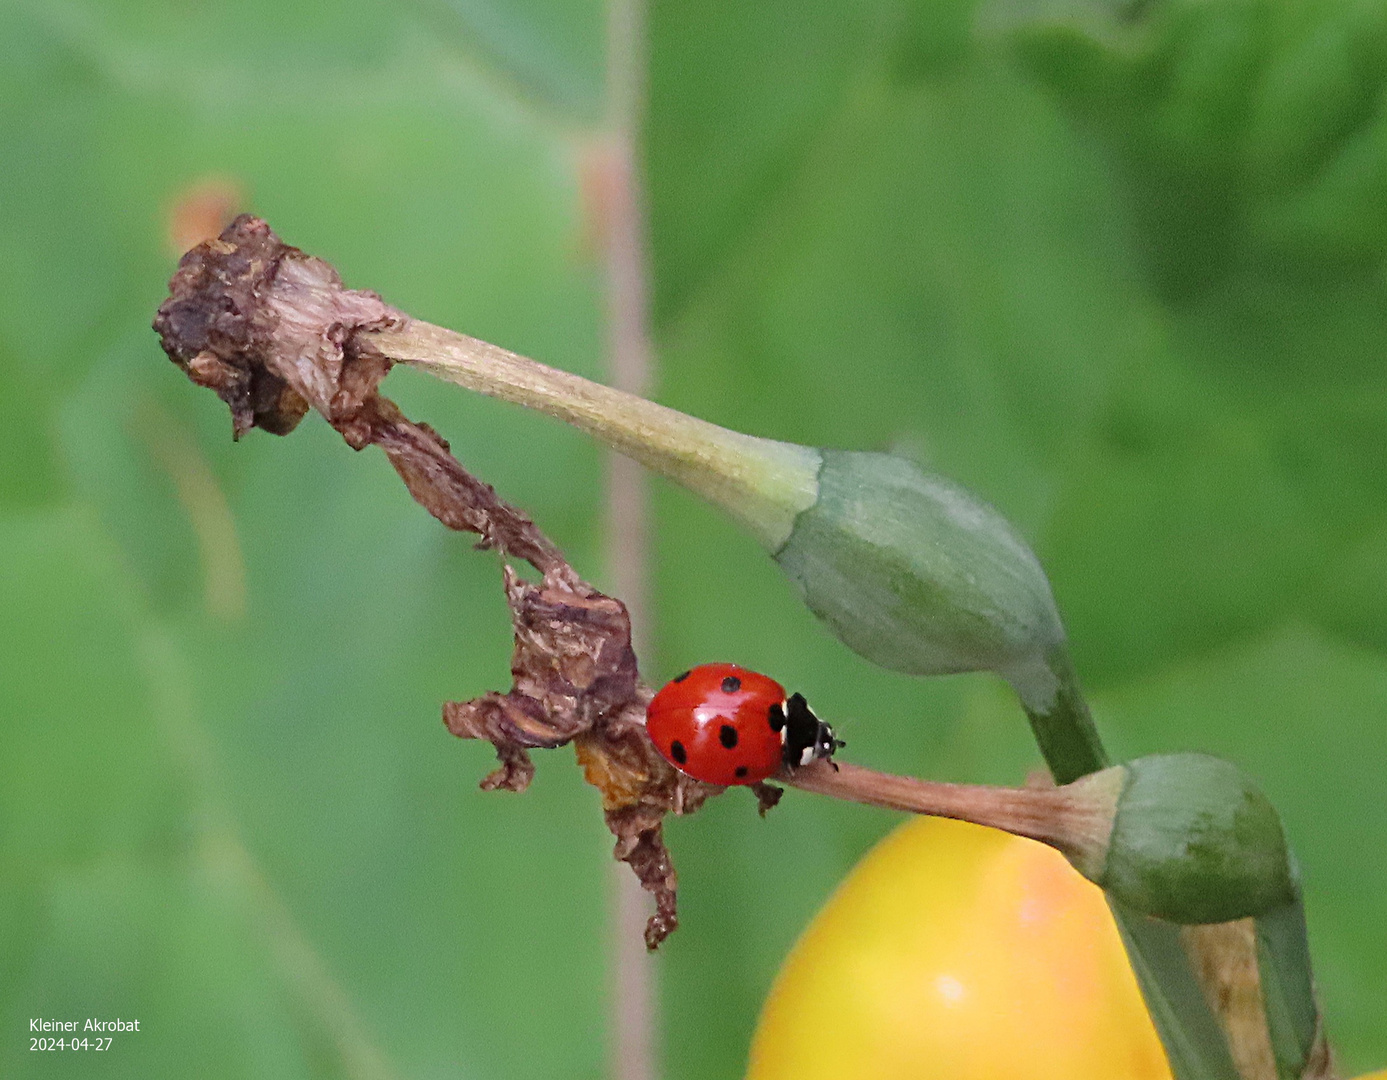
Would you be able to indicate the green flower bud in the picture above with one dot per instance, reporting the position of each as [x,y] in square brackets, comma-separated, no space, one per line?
[917,574]
[908,569]
[1193,840]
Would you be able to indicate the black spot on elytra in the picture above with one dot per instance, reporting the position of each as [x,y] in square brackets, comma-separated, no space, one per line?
[727,735]
[678,752]
[731,684]
[681,678]
[741,771]
[777,716]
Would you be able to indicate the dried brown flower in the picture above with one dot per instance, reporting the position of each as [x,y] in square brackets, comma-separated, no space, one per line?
[273,331]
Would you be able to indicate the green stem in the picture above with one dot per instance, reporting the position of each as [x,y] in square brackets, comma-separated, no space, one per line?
[1059,716]
[1194,1042]
[762,483]
[1293,1020]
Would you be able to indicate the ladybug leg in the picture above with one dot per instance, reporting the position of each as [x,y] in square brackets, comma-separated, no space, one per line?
[767,795]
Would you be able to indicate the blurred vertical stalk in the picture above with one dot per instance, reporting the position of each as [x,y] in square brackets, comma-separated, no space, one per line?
[616,210]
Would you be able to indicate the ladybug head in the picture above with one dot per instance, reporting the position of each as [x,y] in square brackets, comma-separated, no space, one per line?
[825,742]
[807,738]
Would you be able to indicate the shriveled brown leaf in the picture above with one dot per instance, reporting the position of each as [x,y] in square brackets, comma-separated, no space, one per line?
[273,331]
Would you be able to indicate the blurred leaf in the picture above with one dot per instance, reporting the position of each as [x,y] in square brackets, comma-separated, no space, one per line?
[1246,128]
[554,47]
[737,93]
[1351,597]
[109,911]
[28,445]
[75,670]
[870,229]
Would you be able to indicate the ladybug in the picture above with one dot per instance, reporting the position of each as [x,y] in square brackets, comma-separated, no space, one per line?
[723,724]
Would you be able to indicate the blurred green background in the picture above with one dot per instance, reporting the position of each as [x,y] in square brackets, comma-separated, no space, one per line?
[1117,266]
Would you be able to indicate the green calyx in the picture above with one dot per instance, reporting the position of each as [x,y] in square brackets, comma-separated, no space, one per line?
[915,573]
[1195,841]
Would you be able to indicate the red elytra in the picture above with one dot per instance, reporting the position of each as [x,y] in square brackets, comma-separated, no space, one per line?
[720,723]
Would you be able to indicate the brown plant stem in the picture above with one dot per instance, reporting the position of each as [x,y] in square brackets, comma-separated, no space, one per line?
[1075,819]
[617,220]
[1224,956]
